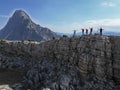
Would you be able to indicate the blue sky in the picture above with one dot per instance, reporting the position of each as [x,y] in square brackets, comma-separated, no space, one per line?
[66,15]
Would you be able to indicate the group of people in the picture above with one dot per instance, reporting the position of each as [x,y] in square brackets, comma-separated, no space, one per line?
[85,31]
[91,30]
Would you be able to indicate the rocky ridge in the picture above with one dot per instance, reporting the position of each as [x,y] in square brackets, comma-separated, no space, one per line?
[77,63]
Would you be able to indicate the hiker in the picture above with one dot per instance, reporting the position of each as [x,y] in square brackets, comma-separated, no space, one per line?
[91,30]
[82,31]
[86,31]
[101,29]
[74,33]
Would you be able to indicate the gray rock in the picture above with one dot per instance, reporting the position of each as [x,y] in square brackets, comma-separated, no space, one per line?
[79,63]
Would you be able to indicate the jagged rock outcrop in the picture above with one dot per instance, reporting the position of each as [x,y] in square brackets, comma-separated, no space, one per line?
[79,63]
[21,27]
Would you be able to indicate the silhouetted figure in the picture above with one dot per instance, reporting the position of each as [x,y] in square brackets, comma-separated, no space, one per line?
[101,30]
[74,33]
[82,31]
[91,30]
[86,31]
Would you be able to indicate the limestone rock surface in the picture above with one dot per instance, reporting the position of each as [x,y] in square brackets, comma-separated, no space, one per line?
[79,63]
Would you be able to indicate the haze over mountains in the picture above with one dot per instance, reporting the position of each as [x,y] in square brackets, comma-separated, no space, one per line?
[21,27]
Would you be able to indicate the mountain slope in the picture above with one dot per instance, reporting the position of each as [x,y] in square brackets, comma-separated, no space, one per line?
[21,27]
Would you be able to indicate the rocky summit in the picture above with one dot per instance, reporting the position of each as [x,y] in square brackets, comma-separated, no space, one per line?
[89,62]
[21,27]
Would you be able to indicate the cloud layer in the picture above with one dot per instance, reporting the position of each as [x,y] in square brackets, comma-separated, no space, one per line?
[107,24]
[108,4]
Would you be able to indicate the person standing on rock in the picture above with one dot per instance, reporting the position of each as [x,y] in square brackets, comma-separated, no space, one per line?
[74,33]
[101,30]
[82,31]
[86,31]
[91,30]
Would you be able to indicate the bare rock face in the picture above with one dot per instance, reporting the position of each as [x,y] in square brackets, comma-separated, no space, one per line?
[115,56]
[21,27]
[78,63]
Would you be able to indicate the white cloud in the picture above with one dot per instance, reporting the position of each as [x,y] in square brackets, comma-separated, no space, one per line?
[104,22]
[107,24]
[108,4]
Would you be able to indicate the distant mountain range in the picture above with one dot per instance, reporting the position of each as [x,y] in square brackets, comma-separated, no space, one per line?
[21,27]
[110,33]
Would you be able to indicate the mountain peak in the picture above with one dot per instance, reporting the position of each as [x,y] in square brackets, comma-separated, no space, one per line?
[21,27]
[19,18]
[19,11]
[20,14]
